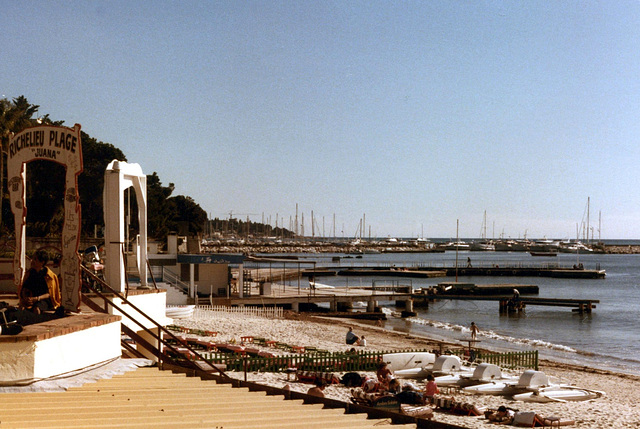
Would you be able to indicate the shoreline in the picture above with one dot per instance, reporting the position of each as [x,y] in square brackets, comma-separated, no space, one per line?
[316,248]
[617,409]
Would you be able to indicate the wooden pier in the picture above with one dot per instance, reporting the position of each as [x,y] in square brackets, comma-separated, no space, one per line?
[578,305]
[491,271]
[341,299]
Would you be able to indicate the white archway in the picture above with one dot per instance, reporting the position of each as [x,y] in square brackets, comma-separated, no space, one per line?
[118,177]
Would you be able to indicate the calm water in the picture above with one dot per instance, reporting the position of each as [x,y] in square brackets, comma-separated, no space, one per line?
[608,338]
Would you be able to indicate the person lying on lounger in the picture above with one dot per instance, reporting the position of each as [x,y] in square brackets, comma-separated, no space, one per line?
[502,415]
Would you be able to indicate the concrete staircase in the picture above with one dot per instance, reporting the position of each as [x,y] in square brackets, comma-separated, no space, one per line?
[150,398]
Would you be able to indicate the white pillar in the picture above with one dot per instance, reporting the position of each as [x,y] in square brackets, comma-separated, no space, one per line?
[241,281]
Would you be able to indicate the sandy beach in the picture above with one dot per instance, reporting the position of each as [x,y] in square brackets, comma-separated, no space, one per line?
[618,409]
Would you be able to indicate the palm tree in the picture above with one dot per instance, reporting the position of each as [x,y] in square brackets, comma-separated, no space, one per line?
[15,116]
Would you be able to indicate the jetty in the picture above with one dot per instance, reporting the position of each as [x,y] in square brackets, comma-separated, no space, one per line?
[497,270]
[580,305]
[342,299]
[392,272]
[472,289]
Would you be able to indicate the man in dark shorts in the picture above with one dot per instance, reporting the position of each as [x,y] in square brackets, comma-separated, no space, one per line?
[40,289]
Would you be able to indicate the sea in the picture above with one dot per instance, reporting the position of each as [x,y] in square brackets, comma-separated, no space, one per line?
[608,338]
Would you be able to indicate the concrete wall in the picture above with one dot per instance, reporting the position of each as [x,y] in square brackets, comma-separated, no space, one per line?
[153,304]
[208,277]
[26,360]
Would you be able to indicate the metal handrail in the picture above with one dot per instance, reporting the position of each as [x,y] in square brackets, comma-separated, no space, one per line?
[175,280]
[151,348]
[153,279]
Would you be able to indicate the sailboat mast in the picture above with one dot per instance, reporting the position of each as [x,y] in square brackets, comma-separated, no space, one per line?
[599,226]
[457,246]
[588,224]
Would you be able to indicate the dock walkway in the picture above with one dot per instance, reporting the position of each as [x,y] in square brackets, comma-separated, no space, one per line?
[293,296]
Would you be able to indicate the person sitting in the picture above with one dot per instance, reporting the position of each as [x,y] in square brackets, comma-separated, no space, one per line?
[318,390]
[351,337]
[362,342]
[394,386]
[502,415]
[40,289]
[370,385]
[384,374]
[431,388]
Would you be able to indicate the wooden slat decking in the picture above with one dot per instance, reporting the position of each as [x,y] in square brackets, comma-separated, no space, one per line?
[158,399]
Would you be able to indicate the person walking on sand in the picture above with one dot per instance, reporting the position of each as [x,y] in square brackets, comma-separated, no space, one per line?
[474,330]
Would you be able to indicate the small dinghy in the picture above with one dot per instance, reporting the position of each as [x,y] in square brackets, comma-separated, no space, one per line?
[561,393]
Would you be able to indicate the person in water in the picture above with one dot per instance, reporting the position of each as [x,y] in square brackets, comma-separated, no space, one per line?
[474,330]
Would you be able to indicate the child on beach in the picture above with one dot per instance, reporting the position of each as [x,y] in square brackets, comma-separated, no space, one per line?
[431,388]
[362,342]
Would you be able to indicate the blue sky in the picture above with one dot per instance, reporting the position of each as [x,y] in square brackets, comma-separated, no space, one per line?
[413,114]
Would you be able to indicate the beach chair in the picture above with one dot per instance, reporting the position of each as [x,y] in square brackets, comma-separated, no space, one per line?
[386,402]
[530,419]
[420,412]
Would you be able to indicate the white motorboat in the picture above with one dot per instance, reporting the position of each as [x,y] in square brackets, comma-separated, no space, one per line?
[457,245]
[561,393]
[317,285]
[444,364]
[527,382]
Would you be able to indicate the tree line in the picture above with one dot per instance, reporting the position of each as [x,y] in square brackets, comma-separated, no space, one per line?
[46,182]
